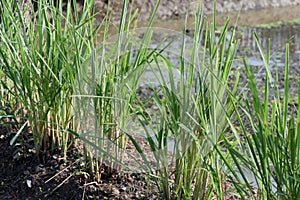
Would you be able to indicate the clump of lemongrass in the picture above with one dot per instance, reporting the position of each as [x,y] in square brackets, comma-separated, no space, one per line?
[40,59]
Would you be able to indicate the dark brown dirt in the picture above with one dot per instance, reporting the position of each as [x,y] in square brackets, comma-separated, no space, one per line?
[22,176]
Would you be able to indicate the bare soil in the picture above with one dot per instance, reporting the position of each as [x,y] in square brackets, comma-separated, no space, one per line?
[23,176]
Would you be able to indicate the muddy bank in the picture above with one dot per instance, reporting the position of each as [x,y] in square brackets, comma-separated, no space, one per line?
[178,8]
[169,9]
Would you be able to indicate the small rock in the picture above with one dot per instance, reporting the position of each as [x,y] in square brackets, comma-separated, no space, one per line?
[39,168]
[123,189]
[28,182]
[32,151]
[130,179]
[26,172]
[115,191]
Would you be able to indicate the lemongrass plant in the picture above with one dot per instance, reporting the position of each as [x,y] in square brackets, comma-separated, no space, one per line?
[40,58]
[269,157]
[105,92]
[193,113]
